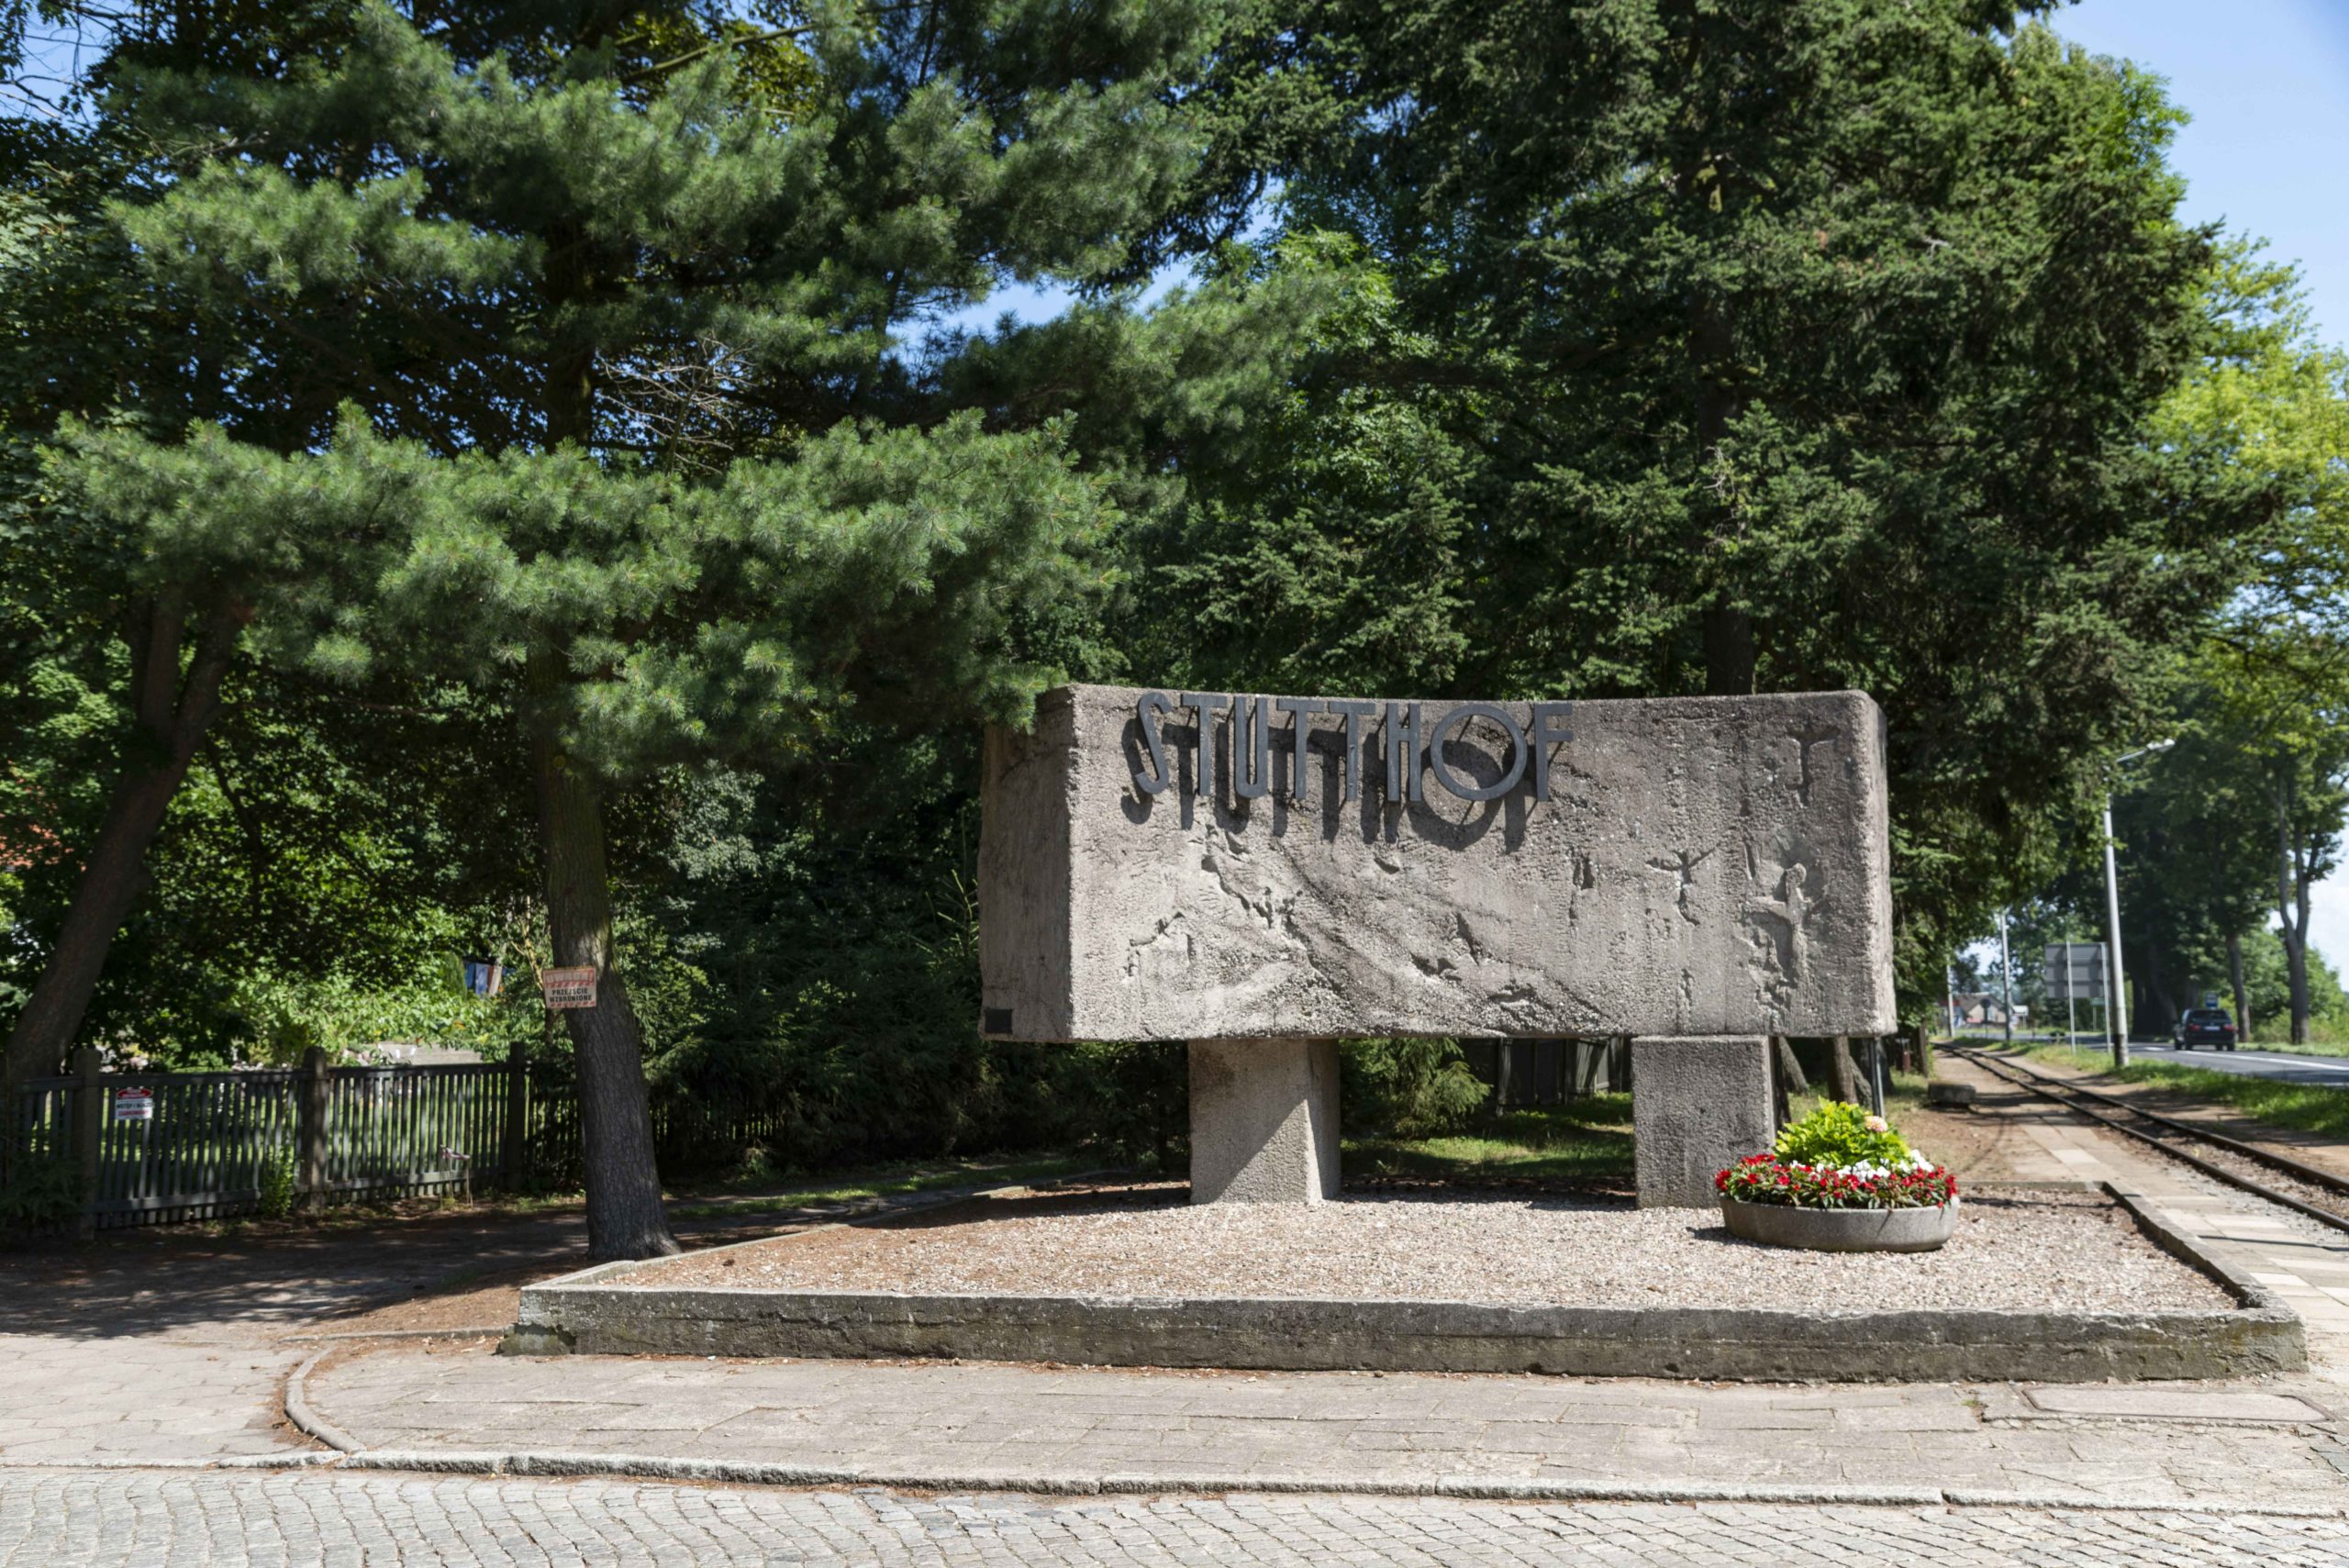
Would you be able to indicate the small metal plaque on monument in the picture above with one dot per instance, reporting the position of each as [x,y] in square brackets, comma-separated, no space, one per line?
[1225,868]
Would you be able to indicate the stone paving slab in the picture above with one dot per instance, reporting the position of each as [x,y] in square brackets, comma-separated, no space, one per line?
[133,1519]
[904,1420]
[145,1397]
[2174,1404]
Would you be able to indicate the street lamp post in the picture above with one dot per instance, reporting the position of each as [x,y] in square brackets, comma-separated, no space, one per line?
[2116,989]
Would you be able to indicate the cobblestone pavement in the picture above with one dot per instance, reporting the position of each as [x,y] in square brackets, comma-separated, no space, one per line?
[128,1519]
[905,1423]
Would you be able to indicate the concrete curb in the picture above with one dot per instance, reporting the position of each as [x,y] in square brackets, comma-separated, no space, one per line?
[291,1458]
[350,1454]
[307,1420]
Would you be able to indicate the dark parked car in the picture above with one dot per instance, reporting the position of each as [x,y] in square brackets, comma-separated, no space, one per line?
[2205,1025]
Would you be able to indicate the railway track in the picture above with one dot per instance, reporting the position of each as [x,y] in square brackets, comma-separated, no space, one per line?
[2293,1184]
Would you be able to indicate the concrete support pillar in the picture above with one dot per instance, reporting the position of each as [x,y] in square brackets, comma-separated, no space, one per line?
[1263,1120]
[1698,1105]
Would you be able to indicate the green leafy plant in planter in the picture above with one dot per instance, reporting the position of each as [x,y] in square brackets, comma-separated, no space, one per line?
[1838,1157]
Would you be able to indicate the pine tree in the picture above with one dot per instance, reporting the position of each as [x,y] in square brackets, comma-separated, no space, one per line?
[595,325]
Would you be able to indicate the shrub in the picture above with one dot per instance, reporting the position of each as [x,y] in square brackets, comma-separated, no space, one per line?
[1842,1136]
[1407,1088]
[280,1181]
[41,1190]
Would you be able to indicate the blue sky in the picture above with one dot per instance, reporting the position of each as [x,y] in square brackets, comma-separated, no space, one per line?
[2267,84]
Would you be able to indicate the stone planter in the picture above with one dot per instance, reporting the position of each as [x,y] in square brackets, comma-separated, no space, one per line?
[1841,1229]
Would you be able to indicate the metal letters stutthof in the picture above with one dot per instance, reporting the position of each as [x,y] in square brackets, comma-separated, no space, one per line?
[1413,745]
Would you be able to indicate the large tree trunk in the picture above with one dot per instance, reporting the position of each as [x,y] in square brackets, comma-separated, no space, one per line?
[170,712]
[1789,1064]
[2154,1010]
[2235,982]
[1839,1068]
[625,1219]
[2292,903]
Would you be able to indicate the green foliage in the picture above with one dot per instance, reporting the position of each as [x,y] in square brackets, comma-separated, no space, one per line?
[600,350]
[321,868]
[280,1181]
[42,1192]
[823,928]
[1684,348]
[2303,1107]
[1134,1098]
[1841,1135]
[1407,1088]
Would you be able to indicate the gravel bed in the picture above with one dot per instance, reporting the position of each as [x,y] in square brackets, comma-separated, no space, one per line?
[2014,1251]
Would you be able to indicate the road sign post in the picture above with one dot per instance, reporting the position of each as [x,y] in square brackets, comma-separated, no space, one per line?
[2076,972]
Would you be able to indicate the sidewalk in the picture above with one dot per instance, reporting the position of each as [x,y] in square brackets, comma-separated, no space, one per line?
[185,1364]
[932,1425]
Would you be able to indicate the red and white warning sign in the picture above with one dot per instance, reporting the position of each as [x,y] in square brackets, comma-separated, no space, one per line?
[568,988]
[134,1105]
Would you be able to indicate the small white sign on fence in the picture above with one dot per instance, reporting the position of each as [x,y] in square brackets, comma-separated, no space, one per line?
[134,1105]
[568,988]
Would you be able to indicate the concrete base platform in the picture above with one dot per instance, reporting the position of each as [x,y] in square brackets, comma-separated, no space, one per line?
[598,1312]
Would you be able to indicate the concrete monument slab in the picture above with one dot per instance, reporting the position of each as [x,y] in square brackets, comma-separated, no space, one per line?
[1262,876]
[1330,869]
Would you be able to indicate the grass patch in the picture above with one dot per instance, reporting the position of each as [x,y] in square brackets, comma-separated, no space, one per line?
[2097,1051]
[1585,1142]
[883,1181]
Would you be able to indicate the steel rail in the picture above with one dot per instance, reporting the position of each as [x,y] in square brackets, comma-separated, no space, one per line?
[2285,1162]
[2033,1082]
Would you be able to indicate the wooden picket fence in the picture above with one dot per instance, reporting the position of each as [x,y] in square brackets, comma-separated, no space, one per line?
[157,1148]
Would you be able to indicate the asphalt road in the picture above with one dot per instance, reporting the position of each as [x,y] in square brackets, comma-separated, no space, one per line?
[2331,1071]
